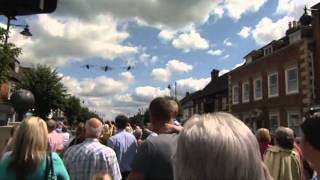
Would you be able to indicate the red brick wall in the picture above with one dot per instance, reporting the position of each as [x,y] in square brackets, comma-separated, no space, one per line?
[276,62]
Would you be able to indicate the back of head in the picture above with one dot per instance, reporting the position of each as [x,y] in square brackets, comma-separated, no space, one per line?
[217,146]
[285,137]
[263,135]
[137,133]
[161,109]
[121,121]
[93,128]
[52,125]
[310,129]
[30,145]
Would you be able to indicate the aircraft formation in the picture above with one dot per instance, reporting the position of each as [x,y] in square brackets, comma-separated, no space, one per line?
[106,68]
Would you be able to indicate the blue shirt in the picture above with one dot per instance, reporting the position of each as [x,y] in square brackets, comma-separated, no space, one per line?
[85,160]
[125,145]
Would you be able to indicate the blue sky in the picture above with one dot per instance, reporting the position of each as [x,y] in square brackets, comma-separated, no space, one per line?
[166,41]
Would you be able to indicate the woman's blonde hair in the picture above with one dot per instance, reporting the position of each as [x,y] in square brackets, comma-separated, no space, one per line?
[263,135]
[30,146]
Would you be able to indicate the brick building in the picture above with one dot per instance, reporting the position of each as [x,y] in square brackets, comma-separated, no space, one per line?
[279,82]
[213,97]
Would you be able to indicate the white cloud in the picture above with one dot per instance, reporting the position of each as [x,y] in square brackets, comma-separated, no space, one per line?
[173,66]
[245,32]
[94,87]
[238,65]
[294,8]
[60,41]
[191,85]
[218,11]
[267,30]
[227,42]
[236,8]
[216,52]
[166,35]
[147,93]
[148,59]
[223,71]
[127,77]
[225,56]
[164,13]
[190,41]
[161,74]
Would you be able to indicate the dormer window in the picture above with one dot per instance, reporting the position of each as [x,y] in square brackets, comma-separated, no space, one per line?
[268,50]
[248,59]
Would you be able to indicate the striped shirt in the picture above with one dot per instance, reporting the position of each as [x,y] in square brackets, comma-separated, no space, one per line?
[85,160]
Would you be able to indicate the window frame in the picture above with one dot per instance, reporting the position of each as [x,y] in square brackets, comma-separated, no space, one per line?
[273,95]
[243,85]
[233,96]
[274,113]
[287,82]
[254,89]
[296,112]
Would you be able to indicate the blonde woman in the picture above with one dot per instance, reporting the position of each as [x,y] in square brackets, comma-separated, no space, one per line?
[30,158]
[264,140]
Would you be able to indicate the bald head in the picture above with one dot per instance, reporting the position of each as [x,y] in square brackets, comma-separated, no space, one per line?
[285,137]
[93,128]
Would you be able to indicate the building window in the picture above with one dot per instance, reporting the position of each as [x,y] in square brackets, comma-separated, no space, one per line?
[273,85]
[224,103]
[245,92]
[235,94]
[216,105]
[257,86]
[267,51]
[292,83]
[294,121]
[274,121]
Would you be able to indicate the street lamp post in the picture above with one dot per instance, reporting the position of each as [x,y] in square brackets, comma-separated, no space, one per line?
[25,32]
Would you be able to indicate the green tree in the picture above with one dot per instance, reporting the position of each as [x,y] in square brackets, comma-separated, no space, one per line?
[8,53]
[47,88]
[72,108]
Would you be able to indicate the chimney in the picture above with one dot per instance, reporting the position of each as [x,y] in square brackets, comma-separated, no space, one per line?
[214,74]
[294,24]
[187,93]
[290,25]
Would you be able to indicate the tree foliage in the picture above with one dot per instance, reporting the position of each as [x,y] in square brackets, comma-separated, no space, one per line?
[8,53]
[74,112]
[47,88]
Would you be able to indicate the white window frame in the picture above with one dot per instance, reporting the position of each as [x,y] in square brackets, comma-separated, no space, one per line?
[243,85]
[287,83]
[297,130]
[273,95]
[254,89]
[278,121]
[233,99]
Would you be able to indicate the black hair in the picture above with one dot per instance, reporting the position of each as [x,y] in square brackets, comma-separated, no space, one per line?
[121,121]
[311,130]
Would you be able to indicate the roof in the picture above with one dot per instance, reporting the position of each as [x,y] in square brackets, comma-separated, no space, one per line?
[218,85]
[191,97]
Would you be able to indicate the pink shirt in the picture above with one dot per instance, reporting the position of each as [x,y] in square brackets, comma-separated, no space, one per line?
[56,141]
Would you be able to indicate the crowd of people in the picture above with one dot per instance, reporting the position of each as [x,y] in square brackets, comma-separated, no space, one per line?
[210,146]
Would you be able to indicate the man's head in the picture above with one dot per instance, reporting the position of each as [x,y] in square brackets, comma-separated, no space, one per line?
[93,128]
[162,110]
[121,121]
[285,137]
[51,125]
